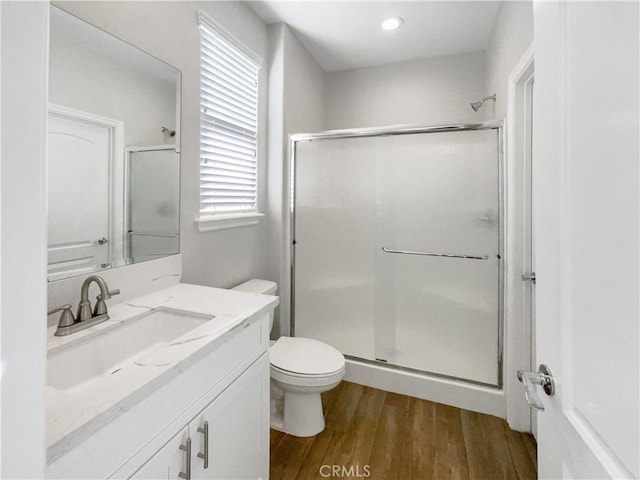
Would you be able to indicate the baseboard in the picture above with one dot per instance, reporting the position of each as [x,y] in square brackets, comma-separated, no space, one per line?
[458,394]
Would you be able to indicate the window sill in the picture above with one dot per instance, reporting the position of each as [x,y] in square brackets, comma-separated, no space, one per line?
[208,223]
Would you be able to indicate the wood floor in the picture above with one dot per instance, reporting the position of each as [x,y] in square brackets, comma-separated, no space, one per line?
[379,435]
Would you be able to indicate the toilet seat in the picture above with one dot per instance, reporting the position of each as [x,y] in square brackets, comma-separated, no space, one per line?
[305,357]
[310,382]
[319,376]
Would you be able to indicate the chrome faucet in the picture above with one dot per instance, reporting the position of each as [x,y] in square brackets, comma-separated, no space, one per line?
[85,318]
[84,307]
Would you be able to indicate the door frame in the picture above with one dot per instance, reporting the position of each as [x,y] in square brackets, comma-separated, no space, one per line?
[517,326]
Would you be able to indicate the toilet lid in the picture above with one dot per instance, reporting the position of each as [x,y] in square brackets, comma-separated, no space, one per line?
[305,356]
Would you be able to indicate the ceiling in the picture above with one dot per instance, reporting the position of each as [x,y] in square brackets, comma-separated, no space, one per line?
[342,35]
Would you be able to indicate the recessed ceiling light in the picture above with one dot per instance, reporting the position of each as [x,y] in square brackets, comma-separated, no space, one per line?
[392,23]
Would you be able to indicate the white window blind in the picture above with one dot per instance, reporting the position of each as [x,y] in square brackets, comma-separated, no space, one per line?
[228,127]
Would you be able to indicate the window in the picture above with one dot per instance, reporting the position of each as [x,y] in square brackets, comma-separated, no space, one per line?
[228,128]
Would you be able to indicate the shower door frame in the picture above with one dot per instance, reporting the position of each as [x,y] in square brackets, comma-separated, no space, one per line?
[409,130]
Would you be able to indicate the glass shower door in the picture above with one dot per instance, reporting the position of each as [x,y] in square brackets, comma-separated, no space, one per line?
[335,243]
[437,266]
[397,249]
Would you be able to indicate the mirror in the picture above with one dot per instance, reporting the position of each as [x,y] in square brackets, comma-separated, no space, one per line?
[113,151]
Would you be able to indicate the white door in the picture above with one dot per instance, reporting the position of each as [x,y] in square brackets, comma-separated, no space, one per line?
[78,161]
[586,210]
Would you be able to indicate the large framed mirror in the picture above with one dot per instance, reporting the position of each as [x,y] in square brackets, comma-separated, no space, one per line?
[113,151]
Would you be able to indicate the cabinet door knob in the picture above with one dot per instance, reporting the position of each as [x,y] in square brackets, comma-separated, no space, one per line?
[187,448]
[205,456]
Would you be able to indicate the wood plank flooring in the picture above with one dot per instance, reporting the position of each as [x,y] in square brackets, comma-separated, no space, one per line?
[379,435]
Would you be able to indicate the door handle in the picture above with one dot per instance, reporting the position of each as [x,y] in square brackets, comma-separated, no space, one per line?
[529,277]
[205,456]
[543,378]
[186,447]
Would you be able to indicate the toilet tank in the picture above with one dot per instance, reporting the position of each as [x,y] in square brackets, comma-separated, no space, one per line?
[265,287]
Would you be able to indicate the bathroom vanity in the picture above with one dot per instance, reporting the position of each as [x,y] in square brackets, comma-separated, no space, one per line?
[174,385]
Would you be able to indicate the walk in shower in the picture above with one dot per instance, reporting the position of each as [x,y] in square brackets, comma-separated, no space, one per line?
[396,255]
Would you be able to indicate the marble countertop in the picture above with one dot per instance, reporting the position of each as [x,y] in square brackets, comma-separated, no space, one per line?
[74,414]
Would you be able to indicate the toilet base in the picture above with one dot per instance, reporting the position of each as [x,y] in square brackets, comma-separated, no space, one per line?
[298,413]
[303,416]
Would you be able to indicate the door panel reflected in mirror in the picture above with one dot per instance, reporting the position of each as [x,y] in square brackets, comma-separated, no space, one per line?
[113,154]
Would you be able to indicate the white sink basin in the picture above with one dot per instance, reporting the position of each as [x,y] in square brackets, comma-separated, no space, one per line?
[109,349]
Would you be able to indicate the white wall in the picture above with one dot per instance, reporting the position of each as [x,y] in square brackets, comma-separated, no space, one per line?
[169,31]
[87,80]
[275,173]
[426,92]
[304,87]
[296,96]
[511,36]
[23,100]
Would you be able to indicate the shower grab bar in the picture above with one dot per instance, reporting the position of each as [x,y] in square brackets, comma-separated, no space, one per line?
[428,254]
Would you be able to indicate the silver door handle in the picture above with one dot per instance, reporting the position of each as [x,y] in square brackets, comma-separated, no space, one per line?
[543,378]
[187,448]
[205,456]
[103,241]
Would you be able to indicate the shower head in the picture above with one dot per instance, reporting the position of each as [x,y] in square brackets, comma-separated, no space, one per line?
[476,105]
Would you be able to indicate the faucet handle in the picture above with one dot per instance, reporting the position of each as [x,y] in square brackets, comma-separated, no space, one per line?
[110,294]
[101,307]
[66,318]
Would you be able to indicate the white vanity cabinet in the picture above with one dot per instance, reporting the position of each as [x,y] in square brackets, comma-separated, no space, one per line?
[237,435]
[216,374]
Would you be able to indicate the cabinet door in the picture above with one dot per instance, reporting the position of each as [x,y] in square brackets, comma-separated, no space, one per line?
[167,462]
[238,425]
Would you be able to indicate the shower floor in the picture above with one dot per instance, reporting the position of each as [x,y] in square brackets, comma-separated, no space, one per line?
[375,434]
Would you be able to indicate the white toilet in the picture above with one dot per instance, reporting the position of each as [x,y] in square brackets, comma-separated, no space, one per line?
[301,369]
